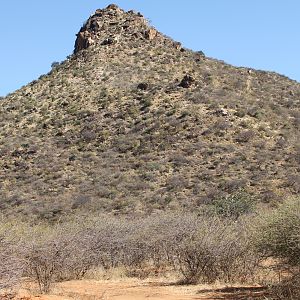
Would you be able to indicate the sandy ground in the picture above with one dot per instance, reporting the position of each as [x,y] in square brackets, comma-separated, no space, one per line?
[140,290]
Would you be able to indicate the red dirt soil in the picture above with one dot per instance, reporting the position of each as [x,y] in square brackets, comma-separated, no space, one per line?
[141,290]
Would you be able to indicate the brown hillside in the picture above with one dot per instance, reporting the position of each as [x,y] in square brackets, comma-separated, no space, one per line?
[132,121]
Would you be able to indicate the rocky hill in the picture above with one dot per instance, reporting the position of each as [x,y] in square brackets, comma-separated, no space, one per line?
[133,121]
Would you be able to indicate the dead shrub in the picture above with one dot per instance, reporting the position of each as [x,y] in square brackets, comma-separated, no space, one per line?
[206,250]
[288,289]
[10,266]
[57,255]
[200,248]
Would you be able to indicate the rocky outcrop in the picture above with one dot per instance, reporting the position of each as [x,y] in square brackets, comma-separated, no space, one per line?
[112,24]
[150,34]
[187,81]
[83,41]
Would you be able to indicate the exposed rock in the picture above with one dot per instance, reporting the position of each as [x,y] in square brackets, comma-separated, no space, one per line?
[108,41]
[221,112]
[150,34]
[113,6]
[113,10]
[112,21]
[122,26]
[177,45]
[95,25]
[143,86]
[83,41]
[187,81]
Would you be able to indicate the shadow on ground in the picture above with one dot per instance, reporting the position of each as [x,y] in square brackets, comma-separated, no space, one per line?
[236,293]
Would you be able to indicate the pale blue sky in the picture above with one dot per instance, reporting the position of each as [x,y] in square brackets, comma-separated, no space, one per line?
[263,34]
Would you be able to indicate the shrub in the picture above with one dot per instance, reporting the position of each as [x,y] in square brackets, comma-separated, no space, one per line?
[10,266]
[57,254]
[210,249]
[234,205]
[287,289]
[200,248]
[55,64]
[244,136]
[278,236]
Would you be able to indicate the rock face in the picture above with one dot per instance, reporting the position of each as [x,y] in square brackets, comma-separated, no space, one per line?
[112,24]
[83,41]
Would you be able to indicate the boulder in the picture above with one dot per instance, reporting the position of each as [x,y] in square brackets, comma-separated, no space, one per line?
[150,34]
[177,45]
[187,81]
[108,41]
[112,7]
[143,86]
[95,25]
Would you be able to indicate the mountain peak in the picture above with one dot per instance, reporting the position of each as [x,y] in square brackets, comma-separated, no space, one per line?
[112,24]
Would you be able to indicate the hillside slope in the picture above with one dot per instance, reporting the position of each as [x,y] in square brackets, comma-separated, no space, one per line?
[132,121]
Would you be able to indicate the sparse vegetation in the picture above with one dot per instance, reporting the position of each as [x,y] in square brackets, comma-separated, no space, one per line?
[136,153]
[199,248]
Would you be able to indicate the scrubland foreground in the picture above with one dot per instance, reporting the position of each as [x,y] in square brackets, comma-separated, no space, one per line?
[257,249]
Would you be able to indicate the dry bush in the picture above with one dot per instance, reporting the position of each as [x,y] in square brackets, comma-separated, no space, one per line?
[200,248]
[116,242]
[10,265]
[56,255]
[288,289]
[208,249]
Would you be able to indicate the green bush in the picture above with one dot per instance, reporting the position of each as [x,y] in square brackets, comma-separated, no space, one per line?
[278,236]
[234,205]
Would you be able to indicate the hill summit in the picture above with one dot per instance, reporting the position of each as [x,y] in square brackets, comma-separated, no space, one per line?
[112,25]
[134,122]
